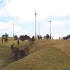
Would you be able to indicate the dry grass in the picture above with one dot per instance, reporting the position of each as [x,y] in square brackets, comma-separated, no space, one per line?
[57,51]
[63,45]
[46,59]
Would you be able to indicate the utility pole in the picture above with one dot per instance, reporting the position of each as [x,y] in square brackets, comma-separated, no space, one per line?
[39,29]
[52,18]
[50,28]
[13,29]
[35,25]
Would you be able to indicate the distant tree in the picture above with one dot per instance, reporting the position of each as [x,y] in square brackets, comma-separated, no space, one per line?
[39,37]
[27,37]
[33,38]
[15,37]
[4,38]
[24,37]
[47,36]
[66,37]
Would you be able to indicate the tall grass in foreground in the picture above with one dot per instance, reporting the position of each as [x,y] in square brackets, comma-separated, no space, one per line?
[49,58]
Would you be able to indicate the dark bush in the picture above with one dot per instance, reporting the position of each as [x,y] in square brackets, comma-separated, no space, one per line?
[24,37]
[47,36]
[66,37]
[19,53]
[15,37]
[4,38]
[39,37]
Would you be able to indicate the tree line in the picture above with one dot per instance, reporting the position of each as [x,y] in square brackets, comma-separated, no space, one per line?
[24,37]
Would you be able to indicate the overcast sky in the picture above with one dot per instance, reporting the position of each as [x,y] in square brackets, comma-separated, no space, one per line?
[21,13]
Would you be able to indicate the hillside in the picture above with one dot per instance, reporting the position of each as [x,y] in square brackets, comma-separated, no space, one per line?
[43,54]
[49,58]
[5,56]
[63,45]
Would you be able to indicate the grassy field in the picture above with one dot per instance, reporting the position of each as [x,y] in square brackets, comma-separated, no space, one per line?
[45,59]
[44,55]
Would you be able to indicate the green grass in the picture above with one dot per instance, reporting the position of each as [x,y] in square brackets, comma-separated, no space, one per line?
[49,58]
